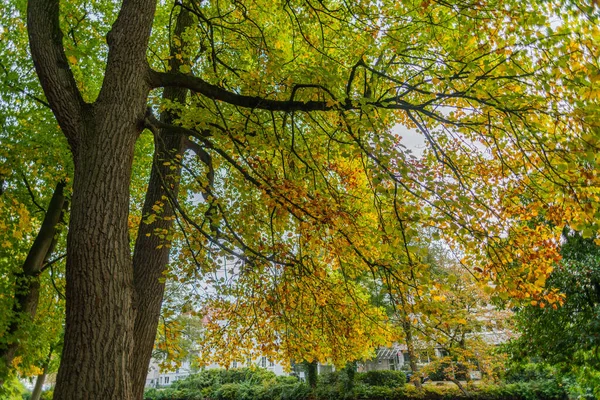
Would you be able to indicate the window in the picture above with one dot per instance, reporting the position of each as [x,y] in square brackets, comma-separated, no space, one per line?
[271,363]
[177,371]
[263,362]
[166,380]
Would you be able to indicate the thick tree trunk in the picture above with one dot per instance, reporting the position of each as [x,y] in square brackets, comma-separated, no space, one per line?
[27,288]
[98,342]
[150,260]
[99,305]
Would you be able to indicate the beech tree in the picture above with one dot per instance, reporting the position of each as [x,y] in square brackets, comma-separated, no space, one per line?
[34,196]
[565,336]
[300,176]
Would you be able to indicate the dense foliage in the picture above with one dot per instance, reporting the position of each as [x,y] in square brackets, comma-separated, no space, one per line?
[281,176]
[570,333]
[374,385]
[567,337]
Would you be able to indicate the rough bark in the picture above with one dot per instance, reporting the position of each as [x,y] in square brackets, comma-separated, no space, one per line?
[150,261]
[99,276]
[27,287]
[52,67]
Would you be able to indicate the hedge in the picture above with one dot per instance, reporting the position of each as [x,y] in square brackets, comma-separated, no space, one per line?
[256,384]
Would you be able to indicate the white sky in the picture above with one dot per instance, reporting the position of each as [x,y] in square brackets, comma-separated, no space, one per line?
[411,138]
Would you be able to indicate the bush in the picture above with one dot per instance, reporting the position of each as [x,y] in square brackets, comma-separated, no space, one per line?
[374,392]
[228,391]
[167,394]
[331,378]
[528,372]
[286,379]
[47,395]
[331,387]
[215,377]
[390,379]
[287,391]
[242,384]
[441,373]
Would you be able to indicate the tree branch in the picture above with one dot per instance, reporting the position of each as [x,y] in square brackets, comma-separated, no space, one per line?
[173,79]
[167,79]
[33,200]
[127,48]
[52,67]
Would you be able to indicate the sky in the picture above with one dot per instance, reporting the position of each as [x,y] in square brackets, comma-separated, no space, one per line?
[413,140]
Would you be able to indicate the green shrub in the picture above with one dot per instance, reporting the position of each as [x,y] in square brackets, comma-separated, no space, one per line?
[47,394]
[239,391]
[228,391]
[331,387]
[331,378]
[166,394]
[286,379]
[287,391]
[374,392]
[443,370]
[343,379]
[328,392]
[214,377]
[391,379]
[528,372]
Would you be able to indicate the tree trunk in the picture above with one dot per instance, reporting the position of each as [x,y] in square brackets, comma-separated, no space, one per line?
[98,343]
[39,382]
[459,385]
[410,345]
[410,348]
[99,305]
[150,261]
[27,283]
[312,373]
[350,370]
[39,385]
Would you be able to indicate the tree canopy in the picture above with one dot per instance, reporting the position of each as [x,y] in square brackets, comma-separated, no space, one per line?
[566,336]
[279,161]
